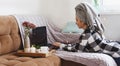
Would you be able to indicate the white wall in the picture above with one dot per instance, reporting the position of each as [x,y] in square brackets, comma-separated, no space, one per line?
[112,26]
[21,7]
[58,11]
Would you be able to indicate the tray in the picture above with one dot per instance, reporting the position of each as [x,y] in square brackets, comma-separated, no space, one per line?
[22,53]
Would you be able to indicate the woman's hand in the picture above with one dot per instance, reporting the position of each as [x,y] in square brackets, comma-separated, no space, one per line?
[57,44]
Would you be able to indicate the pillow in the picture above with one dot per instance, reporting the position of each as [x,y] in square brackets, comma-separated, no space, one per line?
[71,27]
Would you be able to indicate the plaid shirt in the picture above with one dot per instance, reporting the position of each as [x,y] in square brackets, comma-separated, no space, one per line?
[93,41]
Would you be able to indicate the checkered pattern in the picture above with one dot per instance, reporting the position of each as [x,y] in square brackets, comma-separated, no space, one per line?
[93,41]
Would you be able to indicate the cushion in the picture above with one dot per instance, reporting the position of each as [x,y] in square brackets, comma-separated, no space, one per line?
[71,27]
[13,60]
[9,34]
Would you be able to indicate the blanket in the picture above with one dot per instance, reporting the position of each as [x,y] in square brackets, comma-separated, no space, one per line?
[54,34]
[88,59]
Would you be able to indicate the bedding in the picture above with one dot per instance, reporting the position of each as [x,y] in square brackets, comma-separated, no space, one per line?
[88,59]
[53,33]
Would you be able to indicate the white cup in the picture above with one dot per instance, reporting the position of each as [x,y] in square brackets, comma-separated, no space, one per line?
[32,49]
[44,49]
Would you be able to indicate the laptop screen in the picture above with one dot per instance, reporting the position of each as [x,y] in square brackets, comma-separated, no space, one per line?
[39,36]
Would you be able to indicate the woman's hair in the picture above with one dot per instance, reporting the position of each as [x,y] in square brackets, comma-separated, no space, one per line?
[80,13]
[87,14]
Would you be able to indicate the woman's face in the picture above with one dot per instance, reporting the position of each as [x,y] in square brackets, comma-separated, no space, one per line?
[79,23]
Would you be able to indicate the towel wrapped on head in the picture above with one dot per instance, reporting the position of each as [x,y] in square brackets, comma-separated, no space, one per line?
[87,14]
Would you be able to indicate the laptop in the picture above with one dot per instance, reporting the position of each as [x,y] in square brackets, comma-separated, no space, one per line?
[39,36]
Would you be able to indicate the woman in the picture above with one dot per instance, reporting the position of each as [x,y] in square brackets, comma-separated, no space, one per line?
[92,39]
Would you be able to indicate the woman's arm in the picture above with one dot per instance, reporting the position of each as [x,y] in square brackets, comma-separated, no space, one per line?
[78,46]
[58,44]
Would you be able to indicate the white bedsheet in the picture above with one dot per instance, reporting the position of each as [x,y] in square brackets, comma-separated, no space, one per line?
[88,59]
